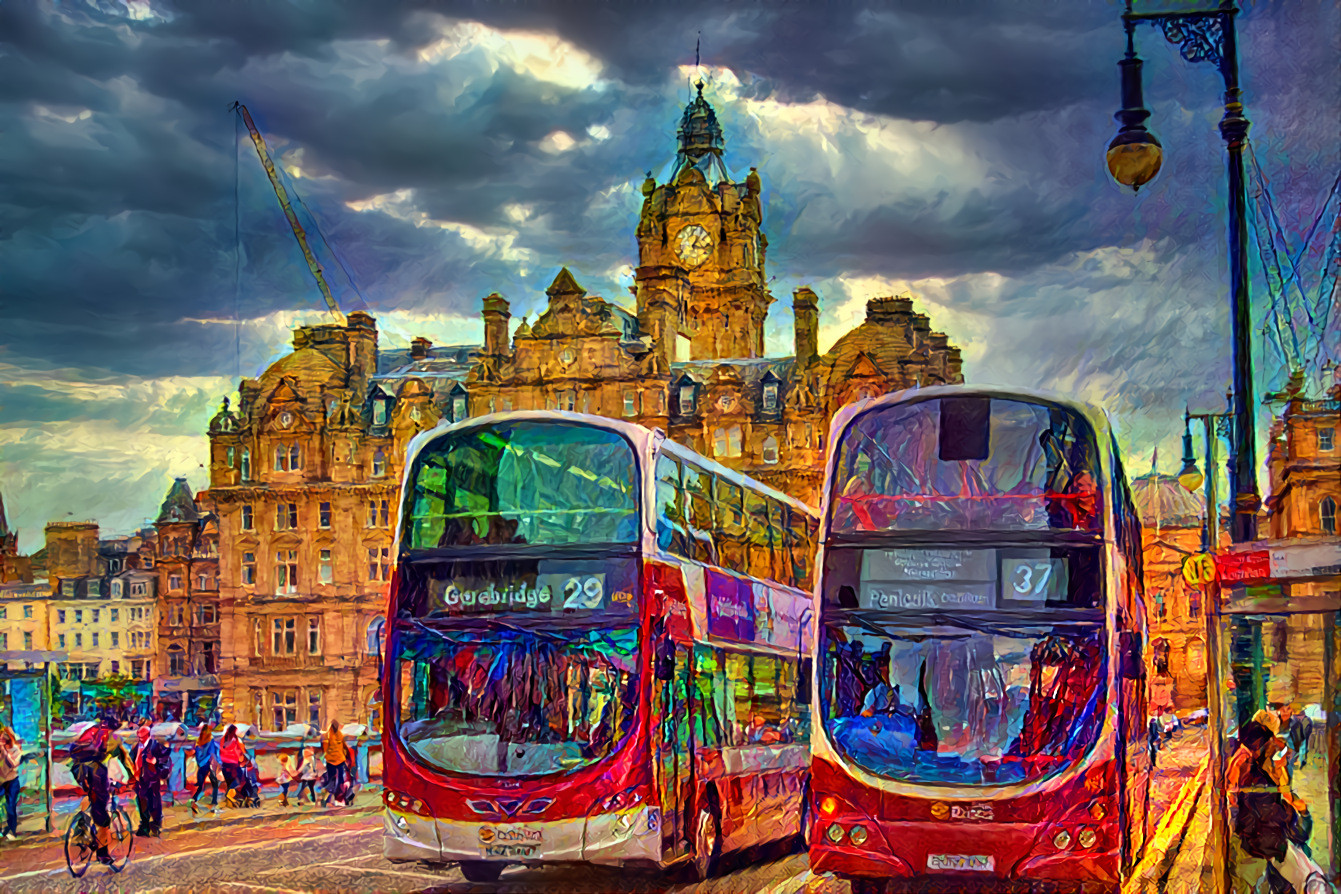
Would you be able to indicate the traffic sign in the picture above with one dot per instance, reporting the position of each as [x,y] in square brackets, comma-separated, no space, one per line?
[1199,569]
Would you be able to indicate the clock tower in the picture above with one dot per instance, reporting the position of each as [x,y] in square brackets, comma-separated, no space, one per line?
[701,251]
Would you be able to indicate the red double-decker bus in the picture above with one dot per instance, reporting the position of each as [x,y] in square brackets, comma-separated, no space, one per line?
[597,651]
[980,695]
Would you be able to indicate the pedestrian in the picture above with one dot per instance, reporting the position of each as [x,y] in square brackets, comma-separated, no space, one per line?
[11,754]
[1262,817]
[307,779]
[152,766]
[231,758]
[207,755]
[284,778]
[333,747]
[1297,729]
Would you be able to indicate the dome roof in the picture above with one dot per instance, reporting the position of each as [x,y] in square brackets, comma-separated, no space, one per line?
[1161,500]
[308,366]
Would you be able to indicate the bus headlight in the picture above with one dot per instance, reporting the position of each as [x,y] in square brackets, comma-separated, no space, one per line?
[835,833]
[1062,840]
[858,835]
[828,807]
[1087,837]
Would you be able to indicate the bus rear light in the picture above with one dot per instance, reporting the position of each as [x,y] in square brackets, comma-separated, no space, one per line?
[481,806]
[537,806]
[858,835]
[621,801]
[828,807]
[405,802]
[834,833]
[1087,838]
[1062,840]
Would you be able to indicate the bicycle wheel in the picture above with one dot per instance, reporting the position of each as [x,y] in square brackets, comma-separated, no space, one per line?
[79,845]
[122,840]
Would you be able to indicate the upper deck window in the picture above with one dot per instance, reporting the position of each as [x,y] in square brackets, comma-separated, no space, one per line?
[972,463]
[549,483]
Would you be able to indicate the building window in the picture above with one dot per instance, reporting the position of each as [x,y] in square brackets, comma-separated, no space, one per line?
[379,563]
[281,458]
[1193,604]
[379,411]
[256,637]
[1327,515]
[1280,642]
[458,408]
[211,657]
[314,636]
[630,403]
[379,463]
[28,612]
[116,615]
[79,616]
[372,513]
[116,640]
[27,640]
[249,569]
[202,582]
[314,707]
[246,517]
[1161,656]
[726,441]
[286,516]
[137,589]
[68,588]
[174,582]
[324,567]
[1326,440]
[4,640]
[324,515]
[284,633]
[286,571]
[178,614]
[285,705]
[770,397]
[1161,610]
[95,639]
[61,639]
[206,613]
[770,450]
[231,457]
[246,465]
[4,613]
[116,590]
[686,399]
[60,616]
[79,640]
[96,612]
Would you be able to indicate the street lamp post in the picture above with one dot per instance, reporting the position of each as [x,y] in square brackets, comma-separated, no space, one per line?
[1134,157]
[1216,425]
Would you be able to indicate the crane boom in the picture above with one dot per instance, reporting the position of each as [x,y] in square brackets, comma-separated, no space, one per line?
[280,193]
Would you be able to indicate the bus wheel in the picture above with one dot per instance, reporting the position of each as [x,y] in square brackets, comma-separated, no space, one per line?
[707,843]
[481,871]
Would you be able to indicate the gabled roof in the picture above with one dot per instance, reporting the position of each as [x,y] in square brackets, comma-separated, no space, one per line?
[750,370]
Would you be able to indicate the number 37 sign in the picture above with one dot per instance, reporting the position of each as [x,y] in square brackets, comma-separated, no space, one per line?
[1199,569]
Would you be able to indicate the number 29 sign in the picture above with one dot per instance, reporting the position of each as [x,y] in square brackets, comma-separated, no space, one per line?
[1199,569]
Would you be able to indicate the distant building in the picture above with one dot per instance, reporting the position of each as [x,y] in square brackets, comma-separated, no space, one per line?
[14,568]
[1172,522]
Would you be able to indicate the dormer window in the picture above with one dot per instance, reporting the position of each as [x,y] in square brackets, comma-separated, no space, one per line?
[686,398]
[246,464]
[379,463]
[770,451]
[458,406]
[381,409]
[770,397]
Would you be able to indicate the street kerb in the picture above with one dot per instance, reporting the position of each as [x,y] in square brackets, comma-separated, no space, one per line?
[1160,852]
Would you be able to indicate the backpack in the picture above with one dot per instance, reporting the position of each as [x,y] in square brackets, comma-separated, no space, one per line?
[90,745]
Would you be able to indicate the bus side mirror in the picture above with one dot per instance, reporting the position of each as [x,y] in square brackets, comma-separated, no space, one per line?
[664,660]
[1130,663]
[803,673]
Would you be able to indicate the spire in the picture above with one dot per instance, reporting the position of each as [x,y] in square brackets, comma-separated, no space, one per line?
[700,140]
[565,284]
[4,523]
[179,505]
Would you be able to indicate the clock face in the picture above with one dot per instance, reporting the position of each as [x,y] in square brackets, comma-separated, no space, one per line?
[285,419]
[693,245]
[725,403]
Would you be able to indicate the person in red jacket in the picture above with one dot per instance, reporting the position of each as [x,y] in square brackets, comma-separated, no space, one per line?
[232,757]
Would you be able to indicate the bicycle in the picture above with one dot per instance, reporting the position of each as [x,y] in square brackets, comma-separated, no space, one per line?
[81,837]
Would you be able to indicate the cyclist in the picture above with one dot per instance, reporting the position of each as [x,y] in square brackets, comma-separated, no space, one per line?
[88,764]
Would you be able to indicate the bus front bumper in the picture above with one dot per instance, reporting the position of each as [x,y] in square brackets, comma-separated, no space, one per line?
[614,838]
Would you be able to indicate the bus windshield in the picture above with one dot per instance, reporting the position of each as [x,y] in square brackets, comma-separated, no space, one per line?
[969,463]
[963,703]
[525,481]
[514,700]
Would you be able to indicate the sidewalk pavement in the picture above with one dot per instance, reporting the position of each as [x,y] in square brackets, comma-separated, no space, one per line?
[178,817]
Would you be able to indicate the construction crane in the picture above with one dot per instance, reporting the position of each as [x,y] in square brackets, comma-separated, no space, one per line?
[280,193]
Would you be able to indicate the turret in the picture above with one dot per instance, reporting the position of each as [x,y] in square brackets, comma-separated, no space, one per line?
[496,315]
[805,310]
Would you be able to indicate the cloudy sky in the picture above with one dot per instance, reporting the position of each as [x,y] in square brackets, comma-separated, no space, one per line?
[953,148]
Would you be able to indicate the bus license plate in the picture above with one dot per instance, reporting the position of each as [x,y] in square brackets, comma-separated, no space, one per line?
[961,862]
[504,842]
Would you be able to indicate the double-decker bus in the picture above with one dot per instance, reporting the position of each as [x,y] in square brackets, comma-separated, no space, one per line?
[598,650]
[980,696]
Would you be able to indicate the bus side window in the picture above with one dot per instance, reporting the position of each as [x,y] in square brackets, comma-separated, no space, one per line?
[777,541]
[670,510]
[812,550]
[729,514]
[698,512]
[760,551]
[797,557]
[709,697]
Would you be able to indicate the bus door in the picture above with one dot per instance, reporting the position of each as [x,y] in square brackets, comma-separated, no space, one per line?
[674,759]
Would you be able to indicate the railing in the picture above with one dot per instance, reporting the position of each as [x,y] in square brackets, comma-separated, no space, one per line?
[265,748]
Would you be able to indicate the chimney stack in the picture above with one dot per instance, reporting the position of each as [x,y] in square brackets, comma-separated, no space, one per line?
[805,310]
[496,316]
[419,348]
